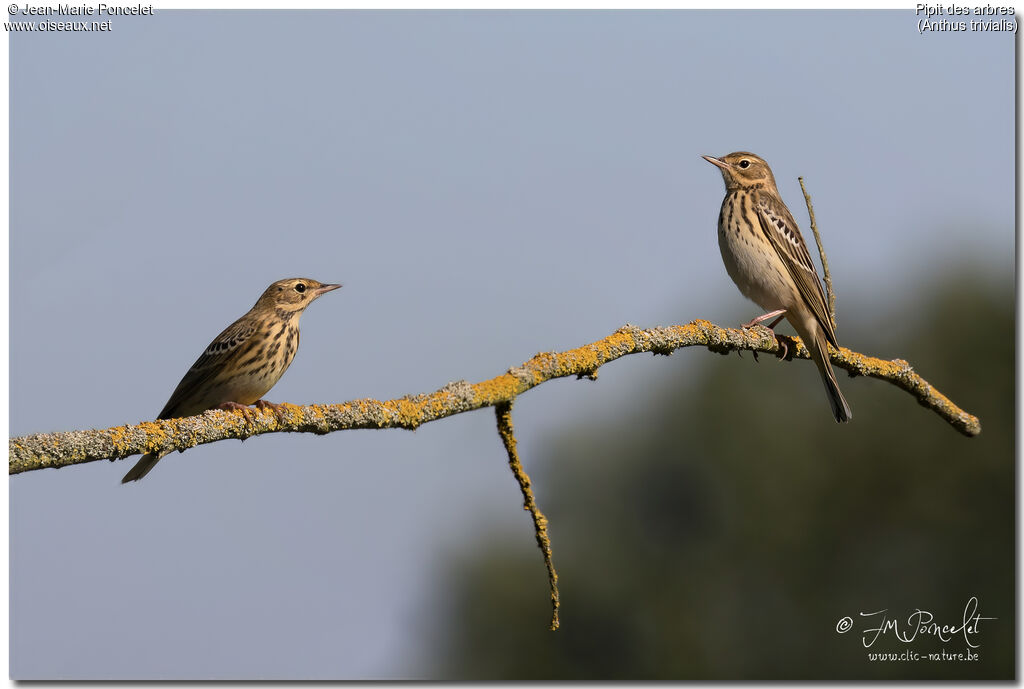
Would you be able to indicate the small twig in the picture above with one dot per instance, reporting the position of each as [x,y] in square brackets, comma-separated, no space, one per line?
[503,411]
[821,252]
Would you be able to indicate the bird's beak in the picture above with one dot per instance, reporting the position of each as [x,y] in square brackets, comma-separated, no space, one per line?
[324,289]
[718,162]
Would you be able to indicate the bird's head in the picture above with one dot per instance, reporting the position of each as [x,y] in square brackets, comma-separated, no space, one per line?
[293,294]
[741,170]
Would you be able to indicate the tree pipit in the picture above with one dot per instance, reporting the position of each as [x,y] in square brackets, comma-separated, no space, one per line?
[244,361]
[767,258]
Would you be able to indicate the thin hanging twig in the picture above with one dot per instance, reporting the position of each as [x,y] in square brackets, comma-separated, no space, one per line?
[503,411]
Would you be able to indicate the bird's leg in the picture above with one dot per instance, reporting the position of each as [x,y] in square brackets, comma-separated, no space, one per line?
[278,409]
[760,319]
[778,315]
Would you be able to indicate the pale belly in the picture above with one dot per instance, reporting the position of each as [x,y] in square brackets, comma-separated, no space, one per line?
[759,278]
[245,389]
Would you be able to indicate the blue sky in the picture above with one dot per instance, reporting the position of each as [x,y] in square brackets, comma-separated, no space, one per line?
[486,185]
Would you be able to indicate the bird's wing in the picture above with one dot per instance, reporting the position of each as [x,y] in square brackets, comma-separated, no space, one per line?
[226,347]
[782,231]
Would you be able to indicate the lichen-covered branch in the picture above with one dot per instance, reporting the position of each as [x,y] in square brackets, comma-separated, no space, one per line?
[44,450]
[503,410]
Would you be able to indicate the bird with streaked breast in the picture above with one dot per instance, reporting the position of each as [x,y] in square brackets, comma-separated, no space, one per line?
[244,362]
[767,258]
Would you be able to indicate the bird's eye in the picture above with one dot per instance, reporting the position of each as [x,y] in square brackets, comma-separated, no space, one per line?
[300,288]
[744,163]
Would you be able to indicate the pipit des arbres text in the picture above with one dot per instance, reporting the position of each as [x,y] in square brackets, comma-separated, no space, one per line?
[767,258]
[244,361]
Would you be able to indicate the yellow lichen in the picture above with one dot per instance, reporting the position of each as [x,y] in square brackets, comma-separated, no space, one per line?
[33,452]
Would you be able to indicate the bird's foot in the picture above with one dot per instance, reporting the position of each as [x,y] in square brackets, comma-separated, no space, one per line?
[778,315]
[245,409]
[783,352]
[278,409]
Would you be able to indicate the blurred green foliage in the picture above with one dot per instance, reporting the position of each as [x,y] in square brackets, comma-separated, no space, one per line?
[724,529]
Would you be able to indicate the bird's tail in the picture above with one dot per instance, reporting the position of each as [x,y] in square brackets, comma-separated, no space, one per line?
[840,409]
[143,466]
[818,348]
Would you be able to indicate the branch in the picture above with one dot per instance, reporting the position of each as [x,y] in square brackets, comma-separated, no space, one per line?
[503,410]
[43,450]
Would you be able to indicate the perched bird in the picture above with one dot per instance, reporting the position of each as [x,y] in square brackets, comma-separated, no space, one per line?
[766,256]
[244,361]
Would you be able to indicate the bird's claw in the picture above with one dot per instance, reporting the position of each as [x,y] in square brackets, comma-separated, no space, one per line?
[783,347]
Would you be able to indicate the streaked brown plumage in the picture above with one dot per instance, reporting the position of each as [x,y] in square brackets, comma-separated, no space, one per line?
[767,258]
[244,361]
